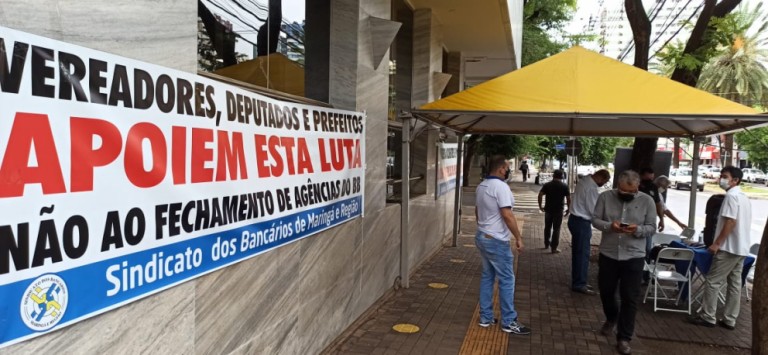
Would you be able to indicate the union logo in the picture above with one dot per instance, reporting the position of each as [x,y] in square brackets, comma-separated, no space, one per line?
[44,302]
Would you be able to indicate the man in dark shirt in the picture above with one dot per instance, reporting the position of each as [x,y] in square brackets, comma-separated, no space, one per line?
[555,191]
[524,169]
[648,187]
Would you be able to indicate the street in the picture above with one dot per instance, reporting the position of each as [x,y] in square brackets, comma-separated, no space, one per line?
[678,202]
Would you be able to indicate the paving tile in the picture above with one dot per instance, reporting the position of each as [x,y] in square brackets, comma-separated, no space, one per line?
[563,322]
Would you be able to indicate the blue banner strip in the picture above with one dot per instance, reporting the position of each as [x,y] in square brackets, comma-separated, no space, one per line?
[100,286]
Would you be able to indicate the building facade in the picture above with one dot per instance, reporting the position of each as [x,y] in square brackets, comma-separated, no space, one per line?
[298,298]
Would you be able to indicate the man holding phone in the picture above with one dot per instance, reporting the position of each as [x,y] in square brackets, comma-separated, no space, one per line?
[626,218]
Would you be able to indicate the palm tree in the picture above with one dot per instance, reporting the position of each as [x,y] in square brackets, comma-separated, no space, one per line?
[739,72]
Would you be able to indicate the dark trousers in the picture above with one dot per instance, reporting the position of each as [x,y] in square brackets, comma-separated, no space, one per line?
[552,223]
[627,276]
[581,233]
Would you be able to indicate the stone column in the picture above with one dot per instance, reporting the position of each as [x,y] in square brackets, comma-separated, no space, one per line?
[454,68]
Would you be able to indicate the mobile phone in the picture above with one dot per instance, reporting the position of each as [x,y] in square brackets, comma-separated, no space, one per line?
[623,225]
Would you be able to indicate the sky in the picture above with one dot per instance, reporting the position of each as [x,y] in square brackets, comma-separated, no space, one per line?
[587,7]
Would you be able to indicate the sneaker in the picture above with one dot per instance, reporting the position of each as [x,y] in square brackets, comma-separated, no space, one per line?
[585,290]
[696,320]
[556,251]
[623,347]
[516,328]
[488,324]
[725,325]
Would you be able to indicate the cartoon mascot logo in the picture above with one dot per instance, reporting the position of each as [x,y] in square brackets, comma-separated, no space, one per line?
[44,302]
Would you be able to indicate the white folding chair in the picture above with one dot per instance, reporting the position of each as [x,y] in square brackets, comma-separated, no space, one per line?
[665,273]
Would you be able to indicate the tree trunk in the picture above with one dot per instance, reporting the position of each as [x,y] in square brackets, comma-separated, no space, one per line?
[641,31]
[642,153]
[644,148]
[676,154]
[470,146]
[760,299]
[729,150]
[697,40]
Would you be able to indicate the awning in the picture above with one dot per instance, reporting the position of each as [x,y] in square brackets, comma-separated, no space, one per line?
[582,93]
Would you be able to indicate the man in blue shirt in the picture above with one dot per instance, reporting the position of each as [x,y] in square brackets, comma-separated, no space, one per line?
[496,224]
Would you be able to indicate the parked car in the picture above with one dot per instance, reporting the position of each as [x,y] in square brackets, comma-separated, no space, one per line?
[753,175]
[681,179]
[712,173]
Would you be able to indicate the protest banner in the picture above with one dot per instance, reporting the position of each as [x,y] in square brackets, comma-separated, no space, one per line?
[119,179]
[446,168]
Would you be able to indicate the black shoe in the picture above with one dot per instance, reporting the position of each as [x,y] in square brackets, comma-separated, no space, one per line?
[607,328]
[623,347]
[516,328]
[585,290]
[488,324]
[589,287]
[696,320]
[725,325]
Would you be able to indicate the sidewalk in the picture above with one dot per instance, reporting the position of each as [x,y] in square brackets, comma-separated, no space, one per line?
[563,322]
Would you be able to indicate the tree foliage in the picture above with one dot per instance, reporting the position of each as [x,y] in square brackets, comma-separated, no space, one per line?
[738,72]
[507,145]
[541,20]
[755,142]
[600,150]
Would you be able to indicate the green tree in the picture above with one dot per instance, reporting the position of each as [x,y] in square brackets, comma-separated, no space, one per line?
[507,145]
[738,72]
[600,150]
[542,18]
[700,47]
[755,142]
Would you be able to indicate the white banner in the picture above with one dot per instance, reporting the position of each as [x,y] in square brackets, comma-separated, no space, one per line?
[121,178]
[446,170]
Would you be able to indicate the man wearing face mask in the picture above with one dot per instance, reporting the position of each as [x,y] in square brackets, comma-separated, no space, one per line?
[626,218]
[729,249]
[495,225]
[580,226]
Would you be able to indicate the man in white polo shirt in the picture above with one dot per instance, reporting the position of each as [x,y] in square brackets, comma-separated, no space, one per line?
[495,225]
[730,248]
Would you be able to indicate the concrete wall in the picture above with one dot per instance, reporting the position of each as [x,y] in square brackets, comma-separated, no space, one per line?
[295,299]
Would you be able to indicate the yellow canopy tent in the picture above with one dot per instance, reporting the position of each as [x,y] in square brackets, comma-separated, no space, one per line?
[582,93]
[284,74]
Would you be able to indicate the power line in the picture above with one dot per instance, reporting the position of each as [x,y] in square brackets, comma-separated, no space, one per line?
[631,44]
[696,11]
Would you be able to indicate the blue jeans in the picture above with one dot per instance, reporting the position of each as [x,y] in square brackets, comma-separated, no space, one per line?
[581,232]
[497,262]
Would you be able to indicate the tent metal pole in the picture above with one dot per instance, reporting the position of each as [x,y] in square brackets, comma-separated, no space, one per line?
[694,183]
[457,193]
[405,203]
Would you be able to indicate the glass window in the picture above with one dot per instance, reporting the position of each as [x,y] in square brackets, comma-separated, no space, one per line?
[260,42]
